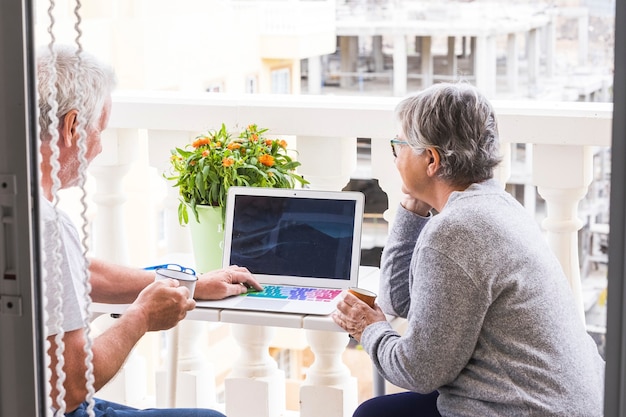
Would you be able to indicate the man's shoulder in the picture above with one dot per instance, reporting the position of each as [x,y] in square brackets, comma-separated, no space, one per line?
[49,213]
[46,210]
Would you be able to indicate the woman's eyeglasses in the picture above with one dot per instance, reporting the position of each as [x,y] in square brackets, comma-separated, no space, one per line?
[395,142]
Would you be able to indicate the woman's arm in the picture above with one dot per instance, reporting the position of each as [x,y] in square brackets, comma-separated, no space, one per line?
[444,323]
[394,288]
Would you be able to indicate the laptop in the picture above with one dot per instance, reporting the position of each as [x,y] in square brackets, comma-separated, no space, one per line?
[302,245]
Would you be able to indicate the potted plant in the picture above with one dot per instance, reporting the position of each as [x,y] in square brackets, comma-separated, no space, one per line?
[205,169]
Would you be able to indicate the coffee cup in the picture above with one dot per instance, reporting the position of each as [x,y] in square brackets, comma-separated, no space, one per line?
[365,295]
[185,278]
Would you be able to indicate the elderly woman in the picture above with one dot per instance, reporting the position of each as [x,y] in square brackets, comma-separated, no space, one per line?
[493,328]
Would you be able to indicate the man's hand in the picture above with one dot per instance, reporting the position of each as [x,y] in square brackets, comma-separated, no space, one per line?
[162,304]
[159,306]
[223,283]
[354,315]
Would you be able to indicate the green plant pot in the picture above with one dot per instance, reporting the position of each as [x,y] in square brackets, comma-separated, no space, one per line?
[207,238]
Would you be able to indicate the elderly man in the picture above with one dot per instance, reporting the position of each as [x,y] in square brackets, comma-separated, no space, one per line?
[83,87]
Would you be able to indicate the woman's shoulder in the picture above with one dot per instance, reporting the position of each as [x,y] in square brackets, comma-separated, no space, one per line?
[475,213]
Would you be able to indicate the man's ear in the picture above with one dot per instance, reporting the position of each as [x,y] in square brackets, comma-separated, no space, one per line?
[69,127]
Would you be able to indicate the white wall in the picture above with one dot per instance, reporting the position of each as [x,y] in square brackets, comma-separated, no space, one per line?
[164,45]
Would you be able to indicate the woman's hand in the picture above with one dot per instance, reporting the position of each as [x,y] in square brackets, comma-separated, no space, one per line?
[354,315]
[225,282]
[416,206]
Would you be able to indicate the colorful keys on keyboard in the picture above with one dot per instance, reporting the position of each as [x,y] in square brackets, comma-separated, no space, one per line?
[295,293]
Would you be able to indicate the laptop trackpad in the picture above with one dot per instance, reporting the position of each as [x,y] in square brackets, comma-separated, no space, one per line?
[261,304]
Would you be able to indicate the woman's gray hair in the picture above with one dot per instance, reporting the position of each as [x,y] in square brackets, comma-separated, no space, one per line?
[459,122]
[82,83]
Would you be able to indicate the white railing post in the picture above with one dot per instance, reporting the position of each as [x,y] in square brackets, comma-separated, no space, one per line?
[109,168]
[327,163]
[193,382]
[119,150]
[187,379]
[255,387]
[329,390]
[503,171]
[562,175]
[176,237]
[384,169]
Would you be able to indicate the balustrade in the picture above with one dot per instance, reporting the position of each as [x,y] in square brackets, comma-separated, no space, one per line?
[323,130]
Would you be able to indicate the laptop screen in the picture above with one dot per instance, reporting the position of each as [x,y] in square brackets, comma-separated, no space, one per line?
[294,235]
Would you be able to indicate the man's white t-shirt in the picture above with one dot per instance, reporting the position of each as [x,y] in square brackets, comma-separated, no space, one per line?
[68,300]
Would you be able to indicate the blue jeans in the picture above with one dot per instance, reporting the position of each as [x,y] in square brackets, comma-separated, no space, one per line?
[404,404]
[108,409]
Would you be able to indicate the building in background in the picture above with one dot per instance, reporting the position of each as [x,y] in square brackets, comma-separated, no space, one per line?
[549,50]
[235,46]
[553,50]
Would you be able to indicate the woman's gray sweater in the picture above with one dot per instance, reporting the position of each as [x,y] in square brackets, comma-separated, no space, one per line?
[492,323]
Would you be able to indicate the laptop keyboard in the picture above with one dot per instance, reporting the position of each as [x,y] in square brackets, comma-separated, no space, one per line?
[295,293]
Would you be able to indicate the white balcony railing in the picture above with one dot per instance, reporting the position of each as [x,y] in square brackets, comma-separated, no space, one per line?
[130,192]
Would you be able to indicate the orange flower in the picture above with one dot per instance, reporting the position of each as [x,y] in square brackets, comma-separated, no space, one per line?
[213,161]
[267,160]
[200,142]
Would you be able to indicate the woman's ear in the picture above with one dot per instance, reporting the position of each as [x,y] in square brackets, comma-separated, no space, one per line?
[433,160]
[69,128]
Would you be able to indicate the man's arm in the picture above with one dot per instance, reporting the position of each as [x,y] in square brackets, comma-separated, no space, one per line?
[110,350]
[160,306]
[116,284]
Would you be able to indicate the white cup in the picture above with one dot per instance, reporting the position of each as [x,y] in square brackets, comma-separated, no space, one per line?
[185,279]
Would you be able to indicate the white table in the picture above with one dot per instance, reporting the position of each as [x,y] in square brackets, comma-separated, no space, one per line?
[257,373]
